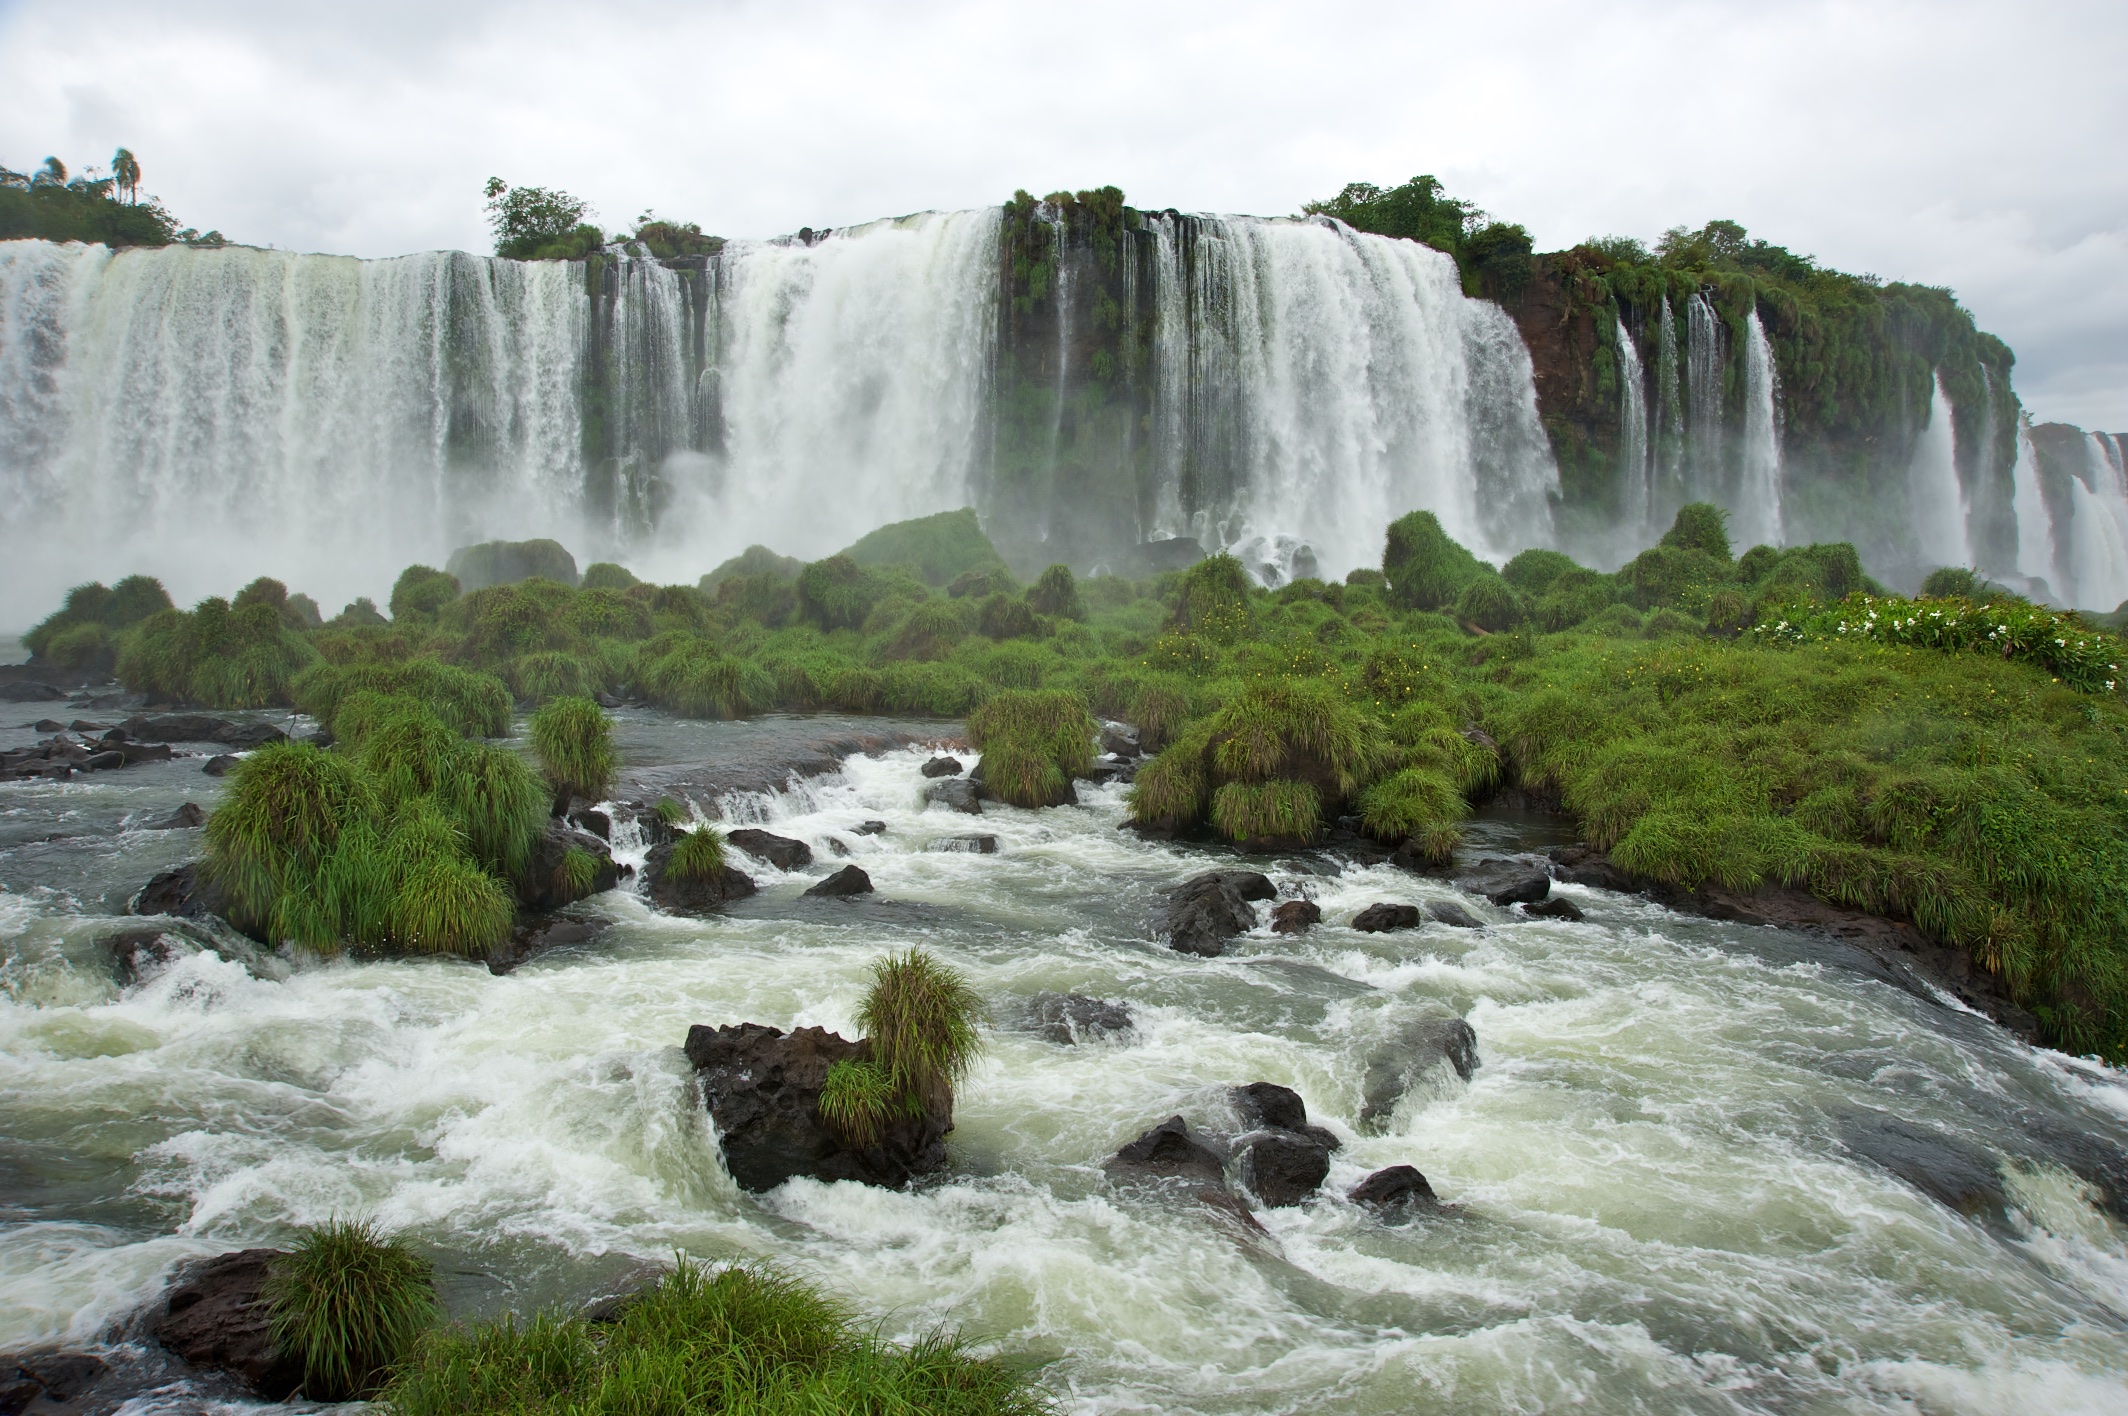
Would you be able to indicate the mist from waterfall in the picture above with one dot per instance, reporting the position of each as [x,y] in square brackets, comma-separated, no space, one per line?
[1939,512]
[1757,511]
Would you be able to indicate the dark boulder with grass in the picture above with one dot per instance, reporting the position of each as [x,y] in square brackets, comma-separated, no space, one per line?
[780,851]
[349,1303]
[843,884]
[1201,914]
[180,891]
[763,1087]
[216,1316]
[688,874]
[566,864]
[1384,917]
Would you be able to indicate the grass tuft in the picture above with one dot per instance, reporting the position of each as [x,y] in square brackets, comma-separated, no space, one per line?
[921,1018]
[856,1100]
[697,854]
[574,741]
[350,1302]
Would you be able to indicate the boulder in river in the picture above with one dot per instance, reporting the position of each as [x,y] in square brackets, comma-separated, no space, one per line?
[1201,914]
[955,794]
[1952,1172]
[780,851]
[762,1087]
[943,767]
[1585,865]
[1450,913]
[1507,882]
[1071,1018]
[28,691]
[540,935]
[215,1317]
[1295,916]
[966,845]
[184,818]
[591,819]
[1557,907]
[1396,1192]
[691,894]
[843,883]
[180,891]
[1169,1152]
[545,883]
[1119,739]
[1384,917]
[1418,1048]
[200,727]
[221,765]
[869,828]
[49,1383]
[1283,1158]
[137,953]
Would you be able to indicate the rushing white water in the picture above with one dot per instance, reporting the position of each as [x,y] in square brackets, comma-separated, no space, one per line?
[1706,445]
[2035,528]
[1661,1161]
[1939,510]
[1669,460]
[2098,530]
[1757,510]
[1635,465]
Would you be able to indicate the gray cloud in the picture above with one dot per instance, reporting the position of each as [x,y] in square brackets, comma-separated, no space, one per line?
[1970,145]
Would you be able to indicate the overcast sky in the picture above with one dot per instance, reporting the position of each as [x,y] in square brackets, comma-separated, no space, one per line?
[1979,146]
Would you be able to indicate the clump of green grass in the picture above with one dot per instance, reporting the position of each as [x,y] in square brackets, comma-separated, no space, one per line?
[741,1340]
[287,806]
[670,812]
[351,1303]
[1213,601]
[1273,811]
[697,854]
[574,741]
[1419,805]
[1056,593]
[1426,569]
[857,1100]
[1171,792]
[576,873]
[474,704]
[921,1017]
[1034,743]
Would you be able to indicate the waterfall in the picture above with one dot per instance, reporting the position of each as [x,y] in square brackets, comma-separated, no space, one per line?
[1758,505]
[1938,514]
[1281,388]
[2035,528]
[1670,419]
[1635,466]
[1704,444]
[2099,528]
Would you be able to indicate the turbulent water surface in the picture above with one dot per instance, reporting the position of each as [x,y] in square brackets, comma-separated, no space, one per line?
[1666,1203]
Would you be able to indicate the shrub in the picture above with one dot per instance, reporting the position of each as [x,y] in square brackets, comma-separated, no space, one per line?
[1056,593]
[115,608]
[1490,603]
[921,1017]
[1171,792]
[1702,527]
[1156,710]
[1533,571]
[606,613]
[1424,568]
[1294,728]
[605,575]
[857,1100]
[1668,622]
[1008,617]
[574,741]
[360,613]
[1266,812]
[1214,600]
[931,629]
[1728,613]
[697,854]
[1030,728]
[1419,805]
[1574,596]
[1617,622]
[549,674]
[1673,577]
[1021,774]
[696,680]
[983,582]
[835,593]
[286,808]
[472,703]
[757,561]
[83,646]
[349,1302]
[448,905]
[420,592]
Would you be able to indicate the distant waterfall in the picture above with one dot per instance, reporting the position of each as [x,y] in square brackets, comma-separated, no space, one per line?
[1670,424]
[1939,512]
[1705,446]
[1757,510]
[2099,527]
[1634,462]
[2035,528]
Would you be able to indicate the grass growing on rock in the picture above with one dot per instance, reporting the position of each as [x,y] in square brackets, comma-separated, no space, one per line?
[921,1017]
[350,1303]
[744,1340]
[697,854]
[857,1099]
[575,746]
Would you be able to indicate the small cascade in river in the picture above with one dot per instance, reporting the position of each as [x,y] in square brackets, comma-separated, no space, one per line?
[1939,512]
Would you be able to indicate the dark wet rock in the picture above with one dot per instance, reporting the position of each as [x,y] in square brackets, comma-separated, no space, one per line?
[1295,917]
[1283,1167]
[1267,1104]
[1557,907]
[178,727]
[540,935]
[1169,1152]
[1418,1048]
[103,761]
[48,725]
[779,851]
[214,1317]
[1450,913]
[762,1087]
[1955,1175]
[246,736]
[544,883]
[1506,882]
[28,691]
[838,847]
[1384,917]
[869,828]
[180,892]
[48,1383]
[956,794]
[943,767]
[843,883]
[1585,865]
[691,896]
[1201,914]
[597,822]
[1112,769]
[1072,1018]
[1121,739]
[184,818]
[135,954]
[221,766]
[1398,1192]
[971,845]
[655,829]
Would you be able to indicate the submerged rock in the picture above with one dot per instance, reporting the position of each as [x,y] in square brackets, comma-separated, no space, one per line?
[1071,1018]
[1384,917]
[37,1383]
[184,818]
[762,1087]
[1416,1050]
[869,828]
[780,851]
[181,892]
[1169,1152]
[1557,907]
[1201,914]
[214,1317]
[1397,1192]
[1295,917]
[689,895]
[528,941]
[1119,739]
[137,953]
[1585,865]
[221,765]
[970,845]
[1450,913]
[1951,1172]
[1506,882]
[955,794]
[943,767]
[843,883]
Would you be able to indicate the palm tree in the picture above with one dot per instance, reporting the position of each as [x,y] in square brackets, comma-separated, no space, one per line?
[125,169]
[52,174]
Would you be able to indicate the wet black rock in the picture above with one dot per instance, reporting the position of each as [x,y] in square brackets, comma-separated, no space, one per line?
[48,725]
[1557,907]
[1071,1018]
[762,1087]
[1201,914]
[181,892]
[1450,913]
[1384,917]
[200,727]
[597,822]
[970,845]
[1585,865]
[1283,1168]
[956,794]
[869,828]
[543,934]
[1418,1048]
[1295,917]
[1398,1192]
[544,884]
[221,766]
[779,851]
[1954,1174]
[1169,1152]
[690,895]
[28,691]
[843,883]
[137,953]
[943,767]
[215,1317]
[1506,882]
[37,1383]
[1121,739]
[184,818]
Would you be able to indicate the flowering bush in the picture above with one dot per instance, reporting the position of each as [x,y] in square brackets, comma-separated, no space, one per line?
[2060,643]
